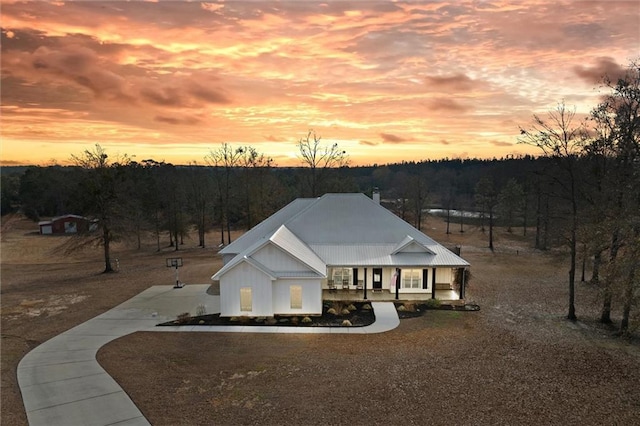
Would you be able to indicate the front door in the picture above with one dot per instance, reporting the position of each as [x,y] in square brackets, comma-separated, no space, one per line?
[377,278]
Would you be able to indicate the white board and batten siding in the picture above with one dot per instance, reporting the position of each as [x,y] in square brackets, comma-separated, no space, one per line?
[245,276]
[444,275]
[284,298]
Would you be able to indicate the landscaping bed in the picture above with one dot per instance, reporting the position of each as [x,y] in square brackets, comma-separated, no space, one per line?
[334,314]
[417,309]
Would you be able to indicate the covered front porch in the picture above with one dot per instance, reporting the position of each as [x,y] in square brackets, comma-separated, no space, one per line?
[409,283]
[445,296]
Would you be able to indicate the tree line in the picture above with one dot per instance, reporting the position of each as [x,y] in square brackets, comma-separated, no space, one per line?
[582,192]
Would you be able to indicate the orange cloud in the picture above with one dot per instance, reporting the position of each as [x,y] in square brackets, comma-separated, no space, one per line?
[384,79]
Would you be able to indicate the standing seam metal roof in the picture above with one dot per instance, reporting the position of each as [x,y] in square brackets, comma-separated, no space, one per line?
[342,229]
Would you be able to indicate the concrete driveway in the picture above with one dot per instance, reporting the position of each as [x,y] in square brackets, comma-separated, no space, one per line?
[63,384]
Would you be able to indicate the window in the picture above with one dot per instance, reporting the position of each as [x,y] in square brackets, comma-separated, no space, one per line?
[411,278]
[341,274]
[70,227]
[295,292]
[245,299]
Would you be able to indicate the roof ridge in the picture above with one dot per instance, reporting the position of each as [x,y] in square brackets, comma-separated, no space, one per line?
[299,241]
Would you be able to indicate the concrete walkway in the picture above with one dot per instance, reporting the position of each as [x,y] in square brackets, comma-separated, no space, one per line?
[63,384]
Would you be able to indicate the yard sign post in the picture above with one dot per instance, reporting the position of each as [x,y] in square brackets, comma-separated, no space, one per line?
[175,262]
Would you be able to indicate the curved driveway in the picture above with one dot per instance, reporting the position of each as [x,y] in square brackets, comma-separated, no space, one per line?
[63,384]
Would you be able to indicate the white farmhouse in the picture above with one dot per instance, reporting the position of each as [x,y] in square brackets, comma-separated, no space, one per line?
[344,246]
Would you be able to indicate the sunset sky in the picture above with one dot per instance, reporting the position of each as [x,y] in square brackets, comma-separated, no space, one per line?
[388,81]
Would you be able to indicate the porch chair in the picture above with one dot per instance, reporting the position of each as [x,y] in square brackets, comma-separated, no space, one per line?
[345,284]
[360,285]
[332,285]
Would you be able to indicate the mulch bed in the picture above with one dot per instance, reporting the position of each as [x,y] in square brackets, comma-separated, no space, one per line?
[413,309]
[334,314]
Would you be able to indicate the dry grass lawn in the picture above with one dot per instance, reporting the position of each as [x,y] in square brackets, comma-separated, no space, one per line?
[517,361]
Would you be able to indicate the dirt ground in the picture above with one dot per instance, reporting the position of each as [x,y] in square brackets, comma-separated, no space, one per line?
[517,361]
[46,291]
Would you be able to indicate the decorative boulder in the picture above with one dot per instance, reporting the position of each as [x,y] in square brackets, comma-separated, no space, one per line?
[366,307]
[345,311]
[332,311]
[352,307]
[307,320]
[401,308]
[346,323]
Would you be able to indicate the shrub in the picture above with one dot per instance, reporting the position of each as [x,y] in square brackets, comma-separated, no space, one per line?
[307,320]
[346,323]
[432,303]
[411,307]
[201,310]
[183,318]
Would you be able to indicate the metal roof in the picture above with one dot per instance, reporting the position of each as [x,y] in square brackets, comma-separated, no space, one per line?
[287,241]
[291,245]
[342,230]
[265,228]
[381,255]
[408,241]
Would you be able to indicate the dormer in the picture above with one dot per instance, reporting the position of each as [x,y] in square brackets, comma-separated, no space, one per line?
[410,245]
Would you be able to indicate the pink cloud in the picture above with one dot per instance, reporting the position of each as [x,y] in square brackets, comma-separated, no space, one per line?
[446,104]
[456,82]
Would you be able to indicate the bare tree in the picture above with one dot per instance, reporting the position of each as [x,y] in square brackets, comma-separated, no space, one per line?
[319,158]
[510,201]
[487,197]
[199,196]
[561,139]
[254,165]
[616,150]
[419,192]
[101,193]
[224,160]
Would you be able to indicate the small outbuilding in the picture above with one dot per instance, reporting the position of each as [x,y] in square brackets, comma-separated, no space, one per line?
[67,224]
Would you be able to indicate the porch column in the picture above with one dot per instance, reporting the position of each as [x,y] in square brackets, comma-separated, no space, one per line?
[397,283]
[433,283]
[464,271]
[365,283]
